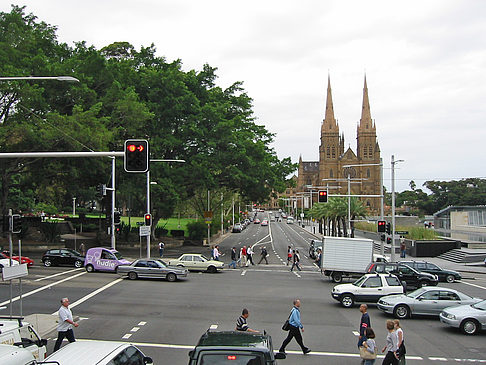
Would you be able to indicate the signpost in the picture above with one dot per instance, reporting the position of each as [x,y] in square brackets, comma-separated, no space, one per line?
[401,232]
[144,231]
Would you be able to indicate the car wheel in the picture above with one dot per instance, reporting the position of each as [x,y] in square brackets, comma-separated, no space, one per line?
[401,311]
[78,264]
[89,268]
[469,326]
[212,269]
[171,277]
[47,263]
[132,275]
[450,278]
[337,277]
[347,300]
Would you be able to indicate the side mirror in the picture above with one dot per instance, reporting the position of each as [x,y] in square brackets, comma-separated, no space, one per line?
[43,342]
[280,356]
[191,353]
[148,360]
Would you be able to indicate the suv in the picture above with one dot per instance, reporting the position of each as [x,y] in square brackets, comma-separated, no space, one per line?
[444,275]
[234,347]
[368,288]
[63,256]
[405,273]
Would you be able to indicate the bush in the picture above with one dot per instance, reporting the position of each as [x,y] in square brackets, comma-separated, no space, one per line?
[197,230]
[177,233]
[160,232]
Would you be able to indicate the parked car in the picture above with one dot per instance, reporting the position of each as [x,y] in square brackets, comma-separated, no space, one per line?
[448,276]
[368,289]
[470,318]
[411,277]
[234,347]
[6,263]
[314,245]
[290,220]
[62,257]
[264,222]
[23,259]
[425,301]
[196,262]
[103,259]
[256,221]
[237,228]
[151,269]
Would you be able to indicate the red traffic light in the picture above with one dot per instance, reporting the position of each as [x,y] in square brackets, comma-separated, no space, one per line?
[381,226]
[136,157]
[148,219]
[131,147]
[322,196]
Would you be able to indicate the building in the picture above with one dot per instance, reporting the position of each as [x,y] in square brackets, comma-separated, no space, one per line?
[331,171]
[466,223]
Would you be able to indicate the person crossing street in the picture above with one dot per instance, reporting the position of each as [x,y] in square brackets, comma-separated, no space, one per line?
[263,255]
[296,261]
[295,325]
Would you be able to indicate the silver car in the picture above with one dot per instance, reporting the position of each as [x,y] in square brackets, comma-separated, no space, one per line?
[144,268]
[424,301]
[469,318]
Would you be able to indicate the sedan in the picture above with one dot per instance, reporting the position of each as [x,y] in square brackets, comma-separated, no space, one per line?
[426,301]
[196,262]
[151,269]
[264,222]
[23,259]
[469,318]
[256,221]
[63,256]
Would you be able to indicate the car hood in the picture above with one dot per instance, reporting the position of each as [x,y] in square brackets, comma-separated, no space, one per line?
[340,288]
[396,298]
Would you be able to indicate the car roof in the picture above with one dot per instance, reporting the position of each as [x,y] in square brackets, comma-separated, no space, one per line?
[234,339]
[86,352]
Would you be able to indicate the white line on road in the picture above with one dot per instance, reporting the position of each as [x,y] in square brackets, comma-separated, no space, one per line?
[127,336]
[58,274]
[475,285]
[356,333]
[142,323]
[134,329]
[296,274]
[243,273]
[48,286]
[213,327]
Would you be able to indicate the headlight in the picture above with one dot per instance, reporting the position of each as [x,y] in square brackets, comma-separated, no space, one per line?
[448,315]
[383,302]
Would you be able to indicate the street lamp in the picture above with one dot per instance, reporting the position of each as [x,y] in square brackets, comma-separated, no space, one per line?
[393,162]
[58,78]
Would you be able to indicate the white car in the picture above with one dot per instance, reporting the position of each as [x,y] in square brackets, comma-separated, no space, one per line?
[368,289]
[196,262]
[6,263]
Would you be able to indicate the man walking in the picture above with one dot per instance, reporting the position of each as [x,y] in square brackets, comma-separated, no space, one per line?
[241,324]
[264,255]
[249,254]
[65,325]
[216,253]
[161,248]
[289,255]
[363,324]
[296,261]
[295,325]
[234,258]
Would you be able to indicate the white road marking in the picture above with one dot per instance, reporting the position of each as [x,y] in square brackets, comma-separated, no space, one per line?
[58,274]
[142,323]
[243,273]
[356,333]
[134,329]
[475,285]
[128,335]
[48,286]
[296,274]
[213,327]
[436,358]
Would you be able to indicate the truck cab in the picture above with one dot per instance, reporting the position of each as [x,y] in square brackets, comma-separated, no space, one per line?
[14,331]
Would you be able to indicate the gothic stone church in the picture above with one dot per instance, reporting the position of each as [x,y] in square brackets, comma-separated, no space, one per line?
[330,170]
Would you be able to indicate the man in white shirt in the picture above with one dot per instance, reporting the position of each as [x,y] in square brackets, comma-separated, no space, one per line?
[65,325]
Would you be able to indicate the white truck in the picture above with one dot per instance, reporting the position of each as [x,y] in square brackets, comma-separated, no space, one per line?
[346,257]
[14,331]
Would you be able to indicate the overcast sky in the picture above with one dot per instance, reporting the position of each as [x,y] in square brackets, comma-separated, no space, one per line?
[425,63]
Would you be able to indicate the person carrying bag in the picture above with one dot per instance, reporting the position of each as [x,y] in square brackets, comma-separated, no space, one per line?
[367,352]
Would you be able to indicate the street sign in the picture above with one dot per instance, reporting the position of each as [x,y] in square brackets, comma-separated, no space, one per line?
[144,231]
[140,223]
[401,232]
[14,272]
[208,221]
[208,214]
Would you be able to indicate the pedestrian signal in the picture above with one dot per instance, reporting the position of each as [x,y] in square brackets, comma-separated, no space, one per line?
[388,228]
[322,196]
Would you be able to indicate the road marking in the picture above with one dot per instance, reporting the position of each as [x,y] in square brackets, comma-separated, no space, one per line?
[134,329]
[58,274]
[475,285]
[142,323]
[436,358]
[243,273]
[48,286]
[128,335]
[296,274]
[356,333]
[213,327]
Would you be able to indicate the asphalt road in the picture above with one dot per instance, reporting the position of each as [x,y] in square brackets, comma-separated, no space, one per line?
[166,319]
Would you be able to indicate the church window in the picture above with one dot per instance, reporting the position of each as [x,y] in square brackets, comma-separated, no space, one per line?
[333,152]
[328,152]
[370,152]
[368,174]
[366,126]
[368,203]
[365,152]
[331,174]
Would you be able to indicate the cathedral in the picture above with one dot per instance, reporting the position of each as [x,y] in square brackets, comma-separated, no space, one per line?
[331,171]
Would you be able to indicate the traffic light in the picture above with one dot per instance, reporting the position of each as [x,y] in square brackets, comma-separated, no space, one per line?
[322,196]
[381,226]
[148,219]
[388,228]
[137,157]
[16,223]
[101,189]
[117,218]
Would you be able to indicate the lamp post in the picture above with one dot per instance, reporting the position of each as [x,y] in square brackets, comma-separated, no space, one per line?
[28,78]
[393,162]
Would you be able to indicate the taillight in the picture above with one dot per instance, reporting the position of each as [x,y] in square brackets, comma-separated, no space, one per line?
[231,357]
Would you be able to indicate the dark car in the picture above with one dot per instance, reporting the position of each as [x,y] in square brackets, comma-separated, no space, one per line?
[234,347]
[405,273]
[63,257]
[448,276]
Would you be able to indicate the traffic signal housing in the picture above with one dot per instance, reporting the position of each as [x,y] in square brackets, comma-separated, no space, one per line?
[136,157]
[117,218]
[322,196]
[388,228]
[148,219]
[381,226]
[16,223]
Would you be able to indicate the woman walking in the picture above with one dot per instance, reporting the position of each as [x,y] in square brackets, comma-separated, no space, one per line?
[401,345]
[391,346]
[370,346]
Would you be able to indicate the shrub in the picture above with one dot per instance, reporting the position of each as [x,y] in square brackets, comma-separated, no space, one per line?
[177,233]
[160,232]
[197,230]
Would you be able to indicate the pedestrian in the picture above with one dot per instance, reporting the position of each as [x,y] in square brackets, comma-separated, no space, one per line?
[370,346]
[249,255]
[241,323]
[216,253]
[289,255]
[65,324]
[401,344]
[243,256]
[391,346]
[319,258]
[234,258]
[263,255]
[403,247]
[364,323]
[295,325]
[82,249]
[161,248]
[296,261]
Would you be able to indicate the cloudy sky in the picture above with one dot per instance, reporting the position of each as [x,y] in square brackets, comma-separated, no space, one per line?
[425,63]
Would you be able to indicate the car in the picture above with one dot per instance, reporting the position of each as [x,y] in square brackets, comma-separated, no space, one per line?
[237,228]
[6,263]
[256,221]
[94,352]
[144,268]
[314,246]
[284,215]
[448,276]
[103,259]
[13,355]
[290,220]
[16,331]
[470,318]
[411,277]
[264,222]
[234,347]
[367,289]
[424,301]
[23,259]
[62,257]
[196,262]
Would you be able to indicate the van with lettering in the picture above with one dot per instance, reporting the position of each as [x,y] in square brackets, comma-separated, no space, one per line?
[15,332]
[103,259]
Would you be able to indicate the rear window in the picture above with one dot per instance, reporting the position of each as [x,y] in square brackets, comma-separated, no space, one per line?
[392,281]
[233,359]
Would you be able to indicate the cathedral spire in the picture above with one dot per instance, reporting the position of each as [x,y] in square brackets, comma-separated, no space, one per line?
[365,122]
[329,107]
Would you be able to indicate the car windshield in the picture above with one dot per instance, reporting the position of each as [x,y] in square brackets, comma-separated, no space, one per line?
[480,305]
[162,263]
[359,281]
[204,258]
[74,252]
[117,255]
[416,293]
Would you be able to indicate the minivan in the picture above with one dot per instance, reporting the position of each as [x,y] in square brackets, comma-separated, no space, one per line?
[103,259]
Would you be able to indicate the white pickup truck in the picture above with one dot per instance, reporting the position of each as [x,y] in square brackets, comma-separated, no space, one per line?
[367,289]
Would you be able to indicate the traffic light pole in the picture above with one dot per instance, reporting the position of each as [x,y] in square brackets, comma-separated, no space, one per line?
[10,247]
[112,230]
[148,211]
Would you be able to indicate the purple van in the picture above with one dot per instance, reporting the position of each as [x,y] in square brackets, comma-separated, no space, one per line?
[103,259]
